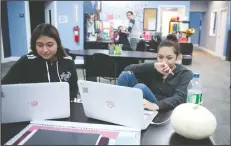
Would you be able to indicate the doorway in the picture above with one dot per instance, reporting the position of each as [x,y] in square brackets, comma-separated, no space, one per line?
[50,10]
[37,14]
[166,13]
[5,36]
[221,31]
[196,20]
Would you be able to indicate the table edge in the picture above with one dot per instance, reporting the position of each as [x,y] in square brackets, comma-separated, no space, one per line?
[147,58]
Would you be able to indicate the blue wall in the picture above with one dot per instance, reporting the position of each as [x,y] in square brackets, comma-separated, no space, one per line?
[195,18]
[66,29]
[17,27]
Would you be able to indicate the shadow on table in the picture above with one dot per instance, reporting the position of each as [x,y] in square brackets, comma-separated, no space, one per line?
[176,139]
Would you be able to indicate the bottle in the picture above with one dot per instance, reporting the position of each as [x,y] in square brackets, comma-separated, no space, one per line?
[194,93]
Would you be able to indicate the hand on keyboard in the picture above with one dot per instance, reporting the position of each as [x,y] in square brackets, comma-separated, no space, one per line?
[150,106]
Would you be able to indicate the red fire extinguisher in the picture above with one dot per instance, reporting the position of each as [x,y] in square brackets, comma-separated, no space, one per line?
[76,33]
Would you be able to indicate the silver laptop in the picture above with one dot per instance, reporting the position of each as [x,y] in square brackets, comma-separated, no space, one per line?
[38,101]
[115,104]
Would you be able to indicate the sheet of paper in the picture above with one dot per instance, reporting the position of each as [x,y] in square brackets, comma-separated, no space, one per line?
[151,24]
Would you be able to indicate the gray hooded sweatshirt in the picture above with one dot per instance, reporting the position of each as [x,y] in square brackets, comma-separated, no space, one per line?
[170,91]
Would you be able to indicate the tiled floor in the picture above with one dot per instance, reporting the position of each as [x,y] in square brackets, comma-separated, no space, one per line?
[215,76]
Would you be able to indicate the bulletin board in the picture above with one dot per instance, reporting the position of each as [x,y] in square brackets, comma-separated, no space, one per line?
[150,19]
[116,11]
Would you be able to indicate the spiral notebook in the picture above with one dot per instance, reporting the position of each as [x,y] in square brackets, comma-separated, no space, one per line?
[116,134]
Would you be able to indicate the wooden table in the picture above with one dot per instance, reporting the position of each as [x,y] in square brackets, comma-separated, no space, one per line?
[153,135]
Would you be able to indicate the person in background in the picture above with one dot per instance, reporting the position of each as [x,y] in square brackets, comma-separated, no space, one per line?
[134,30]
[48,61]
[123,38]
[168,81]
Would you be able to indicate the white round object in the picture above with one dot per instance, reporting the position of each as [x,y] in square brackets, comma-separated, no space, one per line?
[193,121]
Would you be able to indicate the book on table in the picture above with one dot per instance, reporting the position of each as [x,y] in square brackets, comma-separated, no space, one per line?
[73,133]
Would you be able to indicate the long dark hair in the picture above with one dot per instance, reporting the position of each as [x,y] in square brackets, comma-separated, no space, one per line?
[49,31]
[171,41]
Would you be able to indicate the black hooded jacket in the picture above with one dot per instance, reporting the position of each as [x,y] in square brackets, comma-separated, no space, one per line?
[32,68]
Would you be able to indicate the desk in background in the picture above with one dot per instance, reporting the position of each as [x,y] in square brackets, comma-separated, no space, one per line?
[153,135]
[123,60]
[98,44]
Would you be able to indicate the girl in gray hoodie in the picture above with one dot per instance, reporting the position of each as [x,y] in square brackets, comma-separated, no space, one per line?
[163,83]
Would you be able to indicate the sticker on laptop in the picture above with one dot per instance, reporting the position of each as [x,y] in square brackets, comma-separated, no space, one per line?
[33,103]
[110,104]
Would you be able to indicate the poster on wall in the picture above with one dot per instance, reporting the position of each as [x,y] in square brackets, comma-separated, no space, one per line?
[150,19]
[151,24]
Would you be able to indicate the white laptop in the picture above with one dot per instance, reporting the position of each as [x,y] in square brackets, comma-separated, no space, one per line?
[115,104]
[37,101]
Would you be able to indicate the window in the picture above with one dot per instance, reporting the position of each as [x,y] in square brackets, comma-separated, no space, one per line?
[213,20]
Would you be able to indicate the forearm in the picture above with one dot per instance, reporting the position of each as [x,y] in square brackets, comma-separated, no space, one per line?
[131,23]
[11,78]
[172,102]
[139,68]
[142,71]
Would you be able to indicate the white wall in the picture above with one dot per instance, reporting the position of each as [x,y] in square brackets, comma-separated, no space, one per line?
[209,42]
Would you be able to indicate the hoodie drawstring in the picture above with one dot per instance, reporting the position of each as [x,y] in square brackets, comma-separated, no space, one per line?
[58,71]
[48,73]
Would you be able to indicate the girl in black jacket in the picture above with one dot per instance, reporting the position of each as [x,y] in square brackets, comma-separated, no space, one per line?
[48,61]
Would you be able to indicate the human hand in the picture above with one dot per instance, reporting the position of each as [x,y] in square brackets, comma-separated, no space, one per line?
[150,106]
[163,68]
